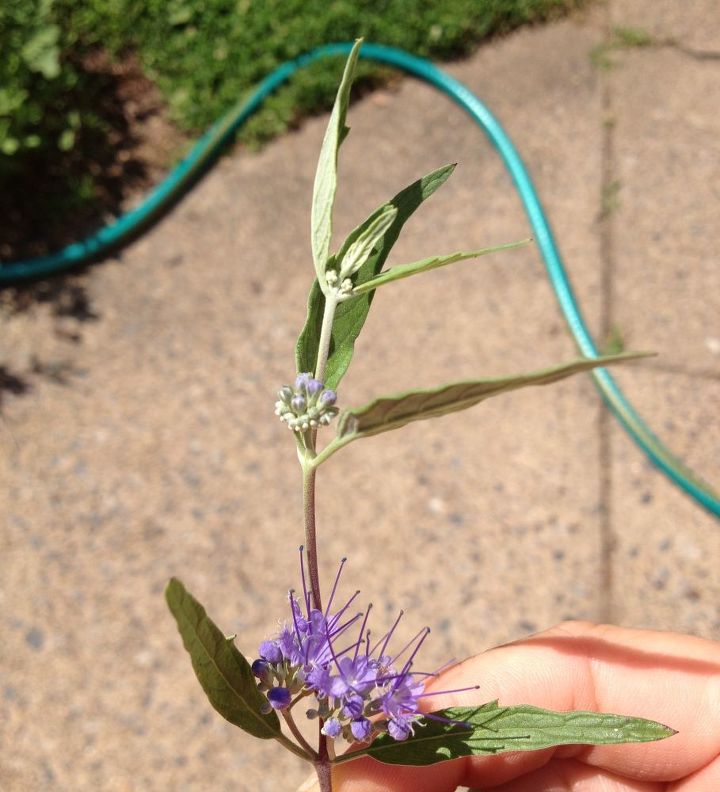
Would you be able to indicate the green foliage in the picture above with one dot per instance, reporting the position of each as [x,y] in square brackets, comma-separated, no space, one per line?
[491,729]
[326,174]
[614,342]
[205,54]
[350,315]
[48,96]
[434,262]
[224,674]
[392,412]
[33,80]
[631,37]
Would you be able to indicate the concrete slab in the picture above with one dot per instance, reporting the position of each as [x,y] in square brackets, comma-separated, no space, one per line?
[667,163]
[666,548]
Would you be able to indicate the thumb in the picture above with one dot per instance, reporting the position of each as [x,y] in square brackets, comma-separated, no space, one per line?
[367,775]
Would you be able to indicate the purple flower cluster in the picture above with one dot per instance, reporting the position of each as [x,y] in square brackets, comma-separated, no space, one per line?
[360,689]
[309,405]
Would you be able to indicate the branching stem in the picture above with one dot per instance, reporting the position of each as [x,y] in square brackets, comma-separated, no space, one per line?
[290,745]
[324,775]
[297,734]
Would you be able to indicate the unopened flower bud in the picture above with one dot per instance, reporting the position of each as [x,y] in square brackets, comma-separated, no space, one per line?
[261,669]
[328,397]
[314,386]
[298,404]
[279,697]
[302,380]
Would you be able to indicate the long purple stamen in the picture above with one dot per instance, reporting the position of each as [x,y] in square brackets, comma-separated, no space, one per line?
[334,656]
[387,636]
[343,627]
[294,615]
[352,646]
[332,622]
[443,692]
[440,718]
[408,664]
[362,630]
[389,677]
[335,585]
[425,630]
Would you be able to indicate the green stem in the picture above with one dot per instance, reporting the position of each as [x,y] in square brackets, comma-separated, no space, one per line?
[297,734]
[329,450]
[322,760]
[331,302]
[290,745]
[311,533]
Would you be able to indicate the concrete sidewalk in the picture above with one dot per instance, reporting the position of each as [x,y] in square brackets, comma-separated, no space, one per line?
[160,455]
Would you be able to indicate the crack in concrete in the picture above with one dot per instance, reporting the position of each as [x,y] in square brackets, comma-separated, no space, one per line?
[607,264]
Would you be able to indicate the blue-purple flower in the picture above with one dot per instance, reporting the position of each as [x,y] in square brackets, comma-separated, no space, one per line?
[359,690]
[306,406]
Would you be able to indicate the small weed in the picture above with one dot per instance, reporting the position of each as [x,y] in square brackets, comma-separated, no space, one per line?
[614,343]
[610,201]
[621,38]
[630,38]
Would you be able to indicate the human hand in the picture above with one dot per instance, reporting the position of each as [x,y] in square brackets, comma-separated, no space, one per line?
[666,677]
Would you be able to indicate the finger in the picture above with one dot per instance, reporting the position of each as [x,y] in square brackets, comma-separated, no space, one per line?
[666,677]
[707,779]
[662,676]
[569,775]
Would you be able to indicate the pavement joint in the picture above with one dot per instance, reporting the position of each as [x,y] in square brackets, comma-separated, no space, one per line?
[608,187]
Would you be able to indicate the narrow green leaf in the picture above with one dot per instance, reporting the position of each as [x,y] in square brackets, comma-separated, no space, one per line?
[326,174]
[392,412]
[224,674]
[350,316]
[491,729]
[406,270]
[360,250]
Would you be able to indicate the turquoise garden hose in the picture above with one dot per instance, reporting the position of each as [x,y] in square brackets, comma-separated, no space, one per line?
[204,152]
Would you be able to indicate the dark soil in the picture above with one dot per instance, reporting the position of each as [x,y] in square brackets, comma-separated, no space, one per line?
[54,200]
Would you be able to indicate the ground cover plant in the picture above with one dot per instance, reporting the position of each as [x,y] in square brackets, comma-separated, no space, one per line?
[328,663]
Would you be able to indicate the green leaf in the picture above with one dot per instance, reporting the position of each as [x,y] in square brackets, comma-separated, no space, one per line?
[223,672]
[392,412]
[350,316]
[41,52]
[326,174]
[360,250]
[406,270]
[491,729]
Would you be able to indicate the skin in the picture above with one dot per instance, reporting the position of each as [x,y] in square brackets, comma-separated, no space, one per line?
[670,678]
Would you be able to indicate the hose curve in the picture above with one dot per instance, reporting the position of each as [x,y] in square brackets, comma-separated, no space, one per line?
[208,147]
